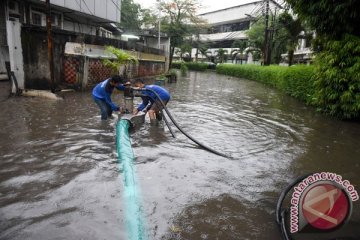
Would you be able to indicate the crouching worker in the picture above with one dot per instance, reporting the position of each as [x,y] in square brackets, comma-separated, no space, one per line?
[102,95]
[150,101]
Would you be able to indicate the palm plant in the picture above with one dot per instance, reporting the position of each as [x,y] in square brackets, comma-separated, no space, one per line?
[293,28]
[221,54]
[122,60]
[241,46]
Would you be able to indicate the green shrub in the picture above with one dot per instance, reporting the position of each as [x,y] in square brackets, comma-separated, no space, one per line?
[183,69]
[296,81]
[337,78]
[195,66]
[176,65]
[172,72]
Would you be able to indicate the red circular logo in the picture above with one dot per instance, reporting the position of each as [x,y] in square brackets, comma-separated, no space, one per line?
[325,206]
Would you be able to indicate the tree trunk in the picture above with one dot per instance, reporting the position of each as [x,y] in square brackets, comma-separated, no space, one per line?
[172,49]
[291,56]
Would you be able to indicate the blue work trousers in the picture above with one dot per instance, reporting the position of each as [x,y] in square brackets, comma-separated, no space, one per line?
[105,108]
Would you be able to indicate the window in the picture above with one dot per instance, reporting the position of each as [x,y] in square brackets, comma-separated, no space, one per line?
[102,32]
[56,20]
[13,7]
[14,11]
[230,27]
[36,18]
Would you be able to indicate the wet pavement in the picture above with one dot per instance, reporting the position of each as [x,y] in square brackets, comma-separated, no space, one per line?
[60,179]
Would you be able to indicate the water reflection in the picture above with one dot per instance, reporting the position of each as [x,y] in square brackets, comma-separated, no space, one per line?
[59,175]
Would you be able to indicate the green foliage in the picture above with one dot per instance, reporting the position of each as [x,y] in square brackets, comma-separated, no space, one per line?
[329,18]
[292,29]
[256,35]
[148,19]
[202,49]
[184,51]
[195,66]
[221,55]
[241,44]
[296,80]
[172,72]
[176,65]
[179,20]
[183,69]
[122,58]
[337,78]
[130,15]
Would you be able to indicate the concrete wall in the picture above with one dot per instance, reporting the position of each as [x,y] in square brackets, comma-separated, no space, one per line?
[36,66]
[229,14]
[234,14]
[106,9]
[164,45]
[79,27]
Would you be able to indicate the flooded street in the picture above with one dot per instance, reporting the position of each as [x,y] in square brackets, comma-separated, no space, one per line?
[60,177]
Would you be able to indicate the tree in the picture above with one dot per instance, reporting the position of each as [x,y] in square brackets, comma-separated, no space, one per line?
[185,51]
[130,15]
[256,37]
[147,18]
[179,18]
[202,48]
[285,32]
[337,62]
[221,55]
[210,56]
[293,29]
[333,19]
[241,45]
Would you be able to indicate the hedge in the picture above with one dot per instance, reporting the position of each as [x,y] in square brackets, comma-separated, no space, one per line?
[196,66]
[297,81]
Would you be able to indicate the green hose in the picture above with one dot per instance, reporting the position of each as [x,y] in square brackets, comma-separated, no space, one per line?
[133,213]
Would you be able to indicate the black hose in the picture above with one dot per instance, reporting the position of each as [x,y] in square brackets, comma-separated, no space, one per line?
[166,121]
[168,125]
[280,213]
[181,130]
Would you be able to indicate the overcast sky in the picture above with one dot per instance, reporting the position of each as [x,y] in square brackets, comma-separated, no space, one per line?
[208,5]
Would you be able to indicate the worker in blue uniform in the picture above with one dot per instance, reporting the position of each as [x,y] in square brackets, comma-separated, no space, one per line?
[102,95]
[150,101]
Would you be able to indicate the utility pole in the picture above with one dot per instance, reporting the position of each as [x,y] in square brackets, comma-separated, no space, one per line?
[266,38]
[159,39]
[50,45]
[159,32]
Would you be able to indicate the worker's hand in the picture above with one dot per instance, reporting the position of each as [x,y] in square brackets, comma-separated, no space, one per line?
[135,112]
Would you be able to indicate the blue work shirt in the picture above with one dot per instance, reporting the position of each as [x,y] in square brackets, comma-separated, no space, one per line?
[103,91]
[149,96]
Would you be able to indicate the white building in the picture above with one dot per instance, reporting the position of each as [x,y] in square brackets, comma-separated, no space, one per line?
[230,24]
[91,17]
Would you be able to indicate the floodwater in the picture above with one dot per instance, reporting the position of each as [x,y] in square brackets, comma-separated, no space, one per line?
[60,178]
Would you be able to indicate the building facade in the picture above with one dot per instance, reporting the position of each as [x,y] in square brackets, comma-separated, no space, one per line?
[229,25]
[90,25]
